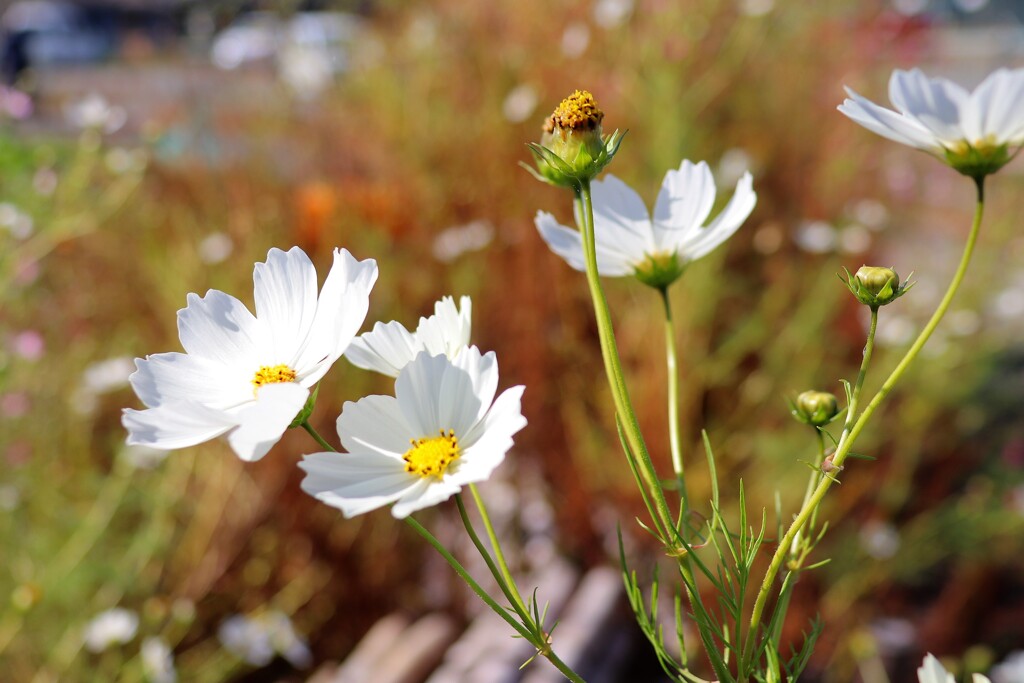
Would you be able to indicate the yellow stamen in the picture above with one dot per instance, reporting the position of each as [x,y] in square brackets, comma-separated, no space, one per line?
[576,112]
[272,374]
[431,457]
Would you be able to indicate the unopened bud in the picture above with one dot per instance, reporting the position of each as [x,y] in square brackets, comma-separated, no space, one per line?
[815,408]
[876,286]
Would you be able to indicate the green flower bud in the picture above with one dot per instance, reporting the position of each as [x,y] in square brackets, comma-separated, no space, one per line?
[979,159]
[660,270]
[875,286]
[815,408]
[572,149]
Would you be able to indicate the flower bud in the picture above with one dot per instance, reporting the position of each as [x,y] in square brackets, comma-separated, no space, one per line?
[875,286]
[572,149]
[660,270]
[815,408]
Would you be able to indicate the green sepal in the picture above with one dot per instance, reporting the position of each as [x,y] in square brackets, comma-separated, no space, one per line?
[303,416]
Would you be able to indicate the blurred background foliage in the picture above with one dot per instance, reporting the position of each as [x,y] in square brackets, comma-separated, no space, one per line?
[409,155]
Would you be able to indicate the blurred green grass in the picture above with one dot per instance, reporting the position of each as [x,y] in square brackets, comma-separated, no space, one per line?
[413,143]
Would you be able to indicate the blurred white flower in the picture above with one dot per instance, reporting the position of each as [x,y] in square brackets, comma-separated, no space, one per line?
[963,322]
[816,237]
[974,132]
[447,410]
[880,540]
[575,39]
[94,112]
[215,248]
[18,223]
[249,376]
[306,70]
[629,242]
[113,627]
[108,375]
[909,8]
[256,640]
[1010,670]
[854,239]
[389,347]
[452,243]
[756,8]
[611,13]
[893,330]
[893,635]
[120,160]
[520,103]
[733,165]
[157,661]
[871,213]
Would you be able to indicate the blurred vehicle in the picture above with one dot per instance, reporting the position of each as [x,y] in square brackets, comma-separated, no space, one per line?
[263,37]
[45,32]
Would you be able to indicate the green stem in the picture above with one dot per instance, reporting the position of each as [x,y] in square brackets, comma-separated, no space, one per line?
[613,369]
[675,440]
[543,648]
[498,554]
[850,436]
[319,439]
[505,582]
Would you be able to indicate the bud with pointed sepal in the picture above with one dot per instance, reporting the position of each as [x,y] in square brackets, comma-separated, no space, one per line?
[815,408]
[876,286]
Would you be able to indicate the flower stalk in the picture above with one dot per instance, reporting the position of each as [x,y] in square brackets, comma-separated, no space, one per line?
[850,433]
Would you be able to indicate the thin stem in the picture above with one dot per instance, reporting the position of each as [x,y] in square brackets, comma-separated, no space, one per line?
[544,648]
[846,443]
[498,554]
[319,439]
[613,369]
[675,440]
[504,583]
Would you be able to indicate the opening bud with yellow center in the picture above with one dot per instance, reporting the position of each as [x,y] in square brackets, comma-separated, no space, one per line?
[431,457]
[815,408]
[572,149]
[876,286]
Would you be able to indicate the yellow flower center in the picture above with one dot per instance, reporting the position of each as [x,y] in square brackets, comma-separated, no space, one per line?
[431,457]
[577,112]
[272,374]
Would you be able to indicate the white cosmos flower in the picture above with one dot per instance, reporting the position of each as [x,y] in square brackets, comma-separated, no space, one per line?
[115,626]
[390,347]
[629,242]
[975,132]
[248,376]
[443,429]
[158,661]
[932,671]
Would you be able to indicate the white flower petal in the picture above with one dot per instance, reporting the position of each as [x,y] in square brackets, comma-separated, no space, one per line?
[935,103]
[374,425]
[340,312]
[286,301]
[621,222]
[426,493]
[355,484]
[175,425]
[490,439]
[467,389]
[568,244]
[999,101]
[725,224]
[448,330]
[417,390]
[932,671]
[684,203]
[386,349]
[888,123]
[263,422]
[218,327]
[170,377]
